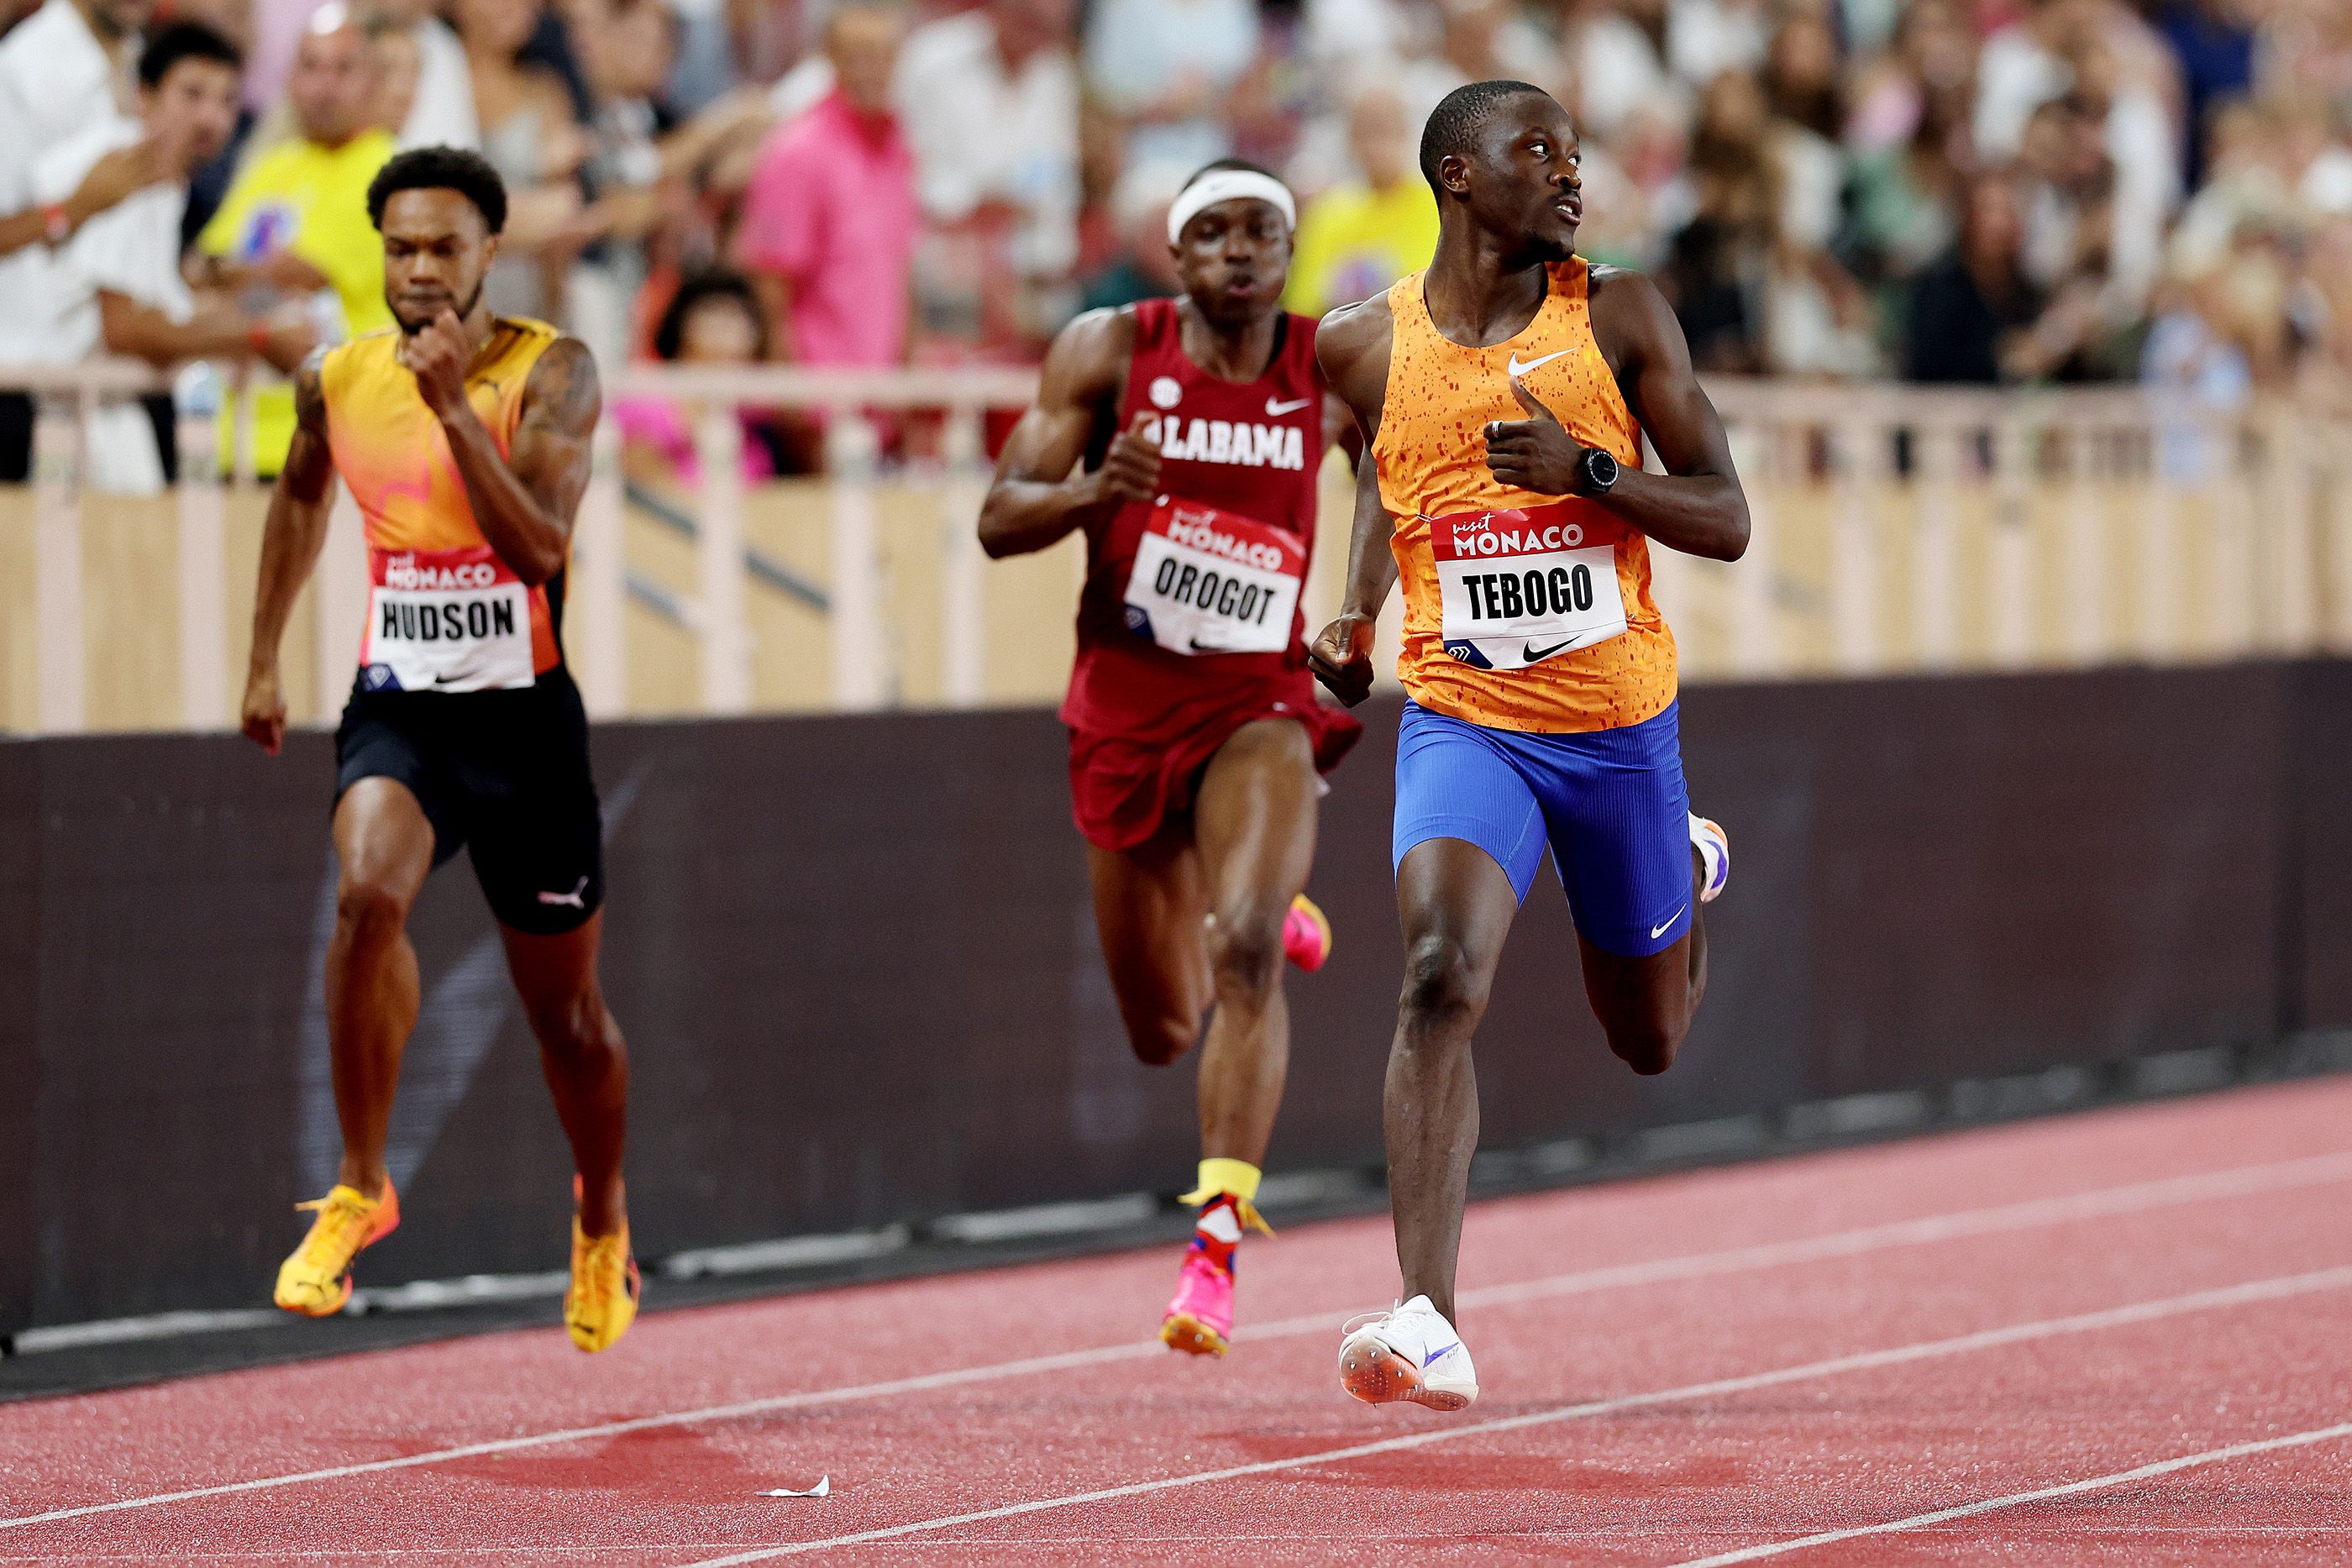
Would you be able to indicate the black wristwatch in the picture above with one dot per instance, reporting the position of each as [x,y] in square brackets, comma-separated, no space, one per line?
[1599,471]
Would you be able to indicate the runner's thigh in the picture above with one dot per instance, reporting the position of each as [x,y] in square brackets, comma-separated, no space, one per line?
[1454,782]
[1253,819]
[1620,826]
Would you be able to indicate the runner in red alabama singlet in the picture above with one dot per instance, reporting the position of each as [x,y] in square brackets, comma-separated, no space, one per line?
[1182,439]
[1190,625]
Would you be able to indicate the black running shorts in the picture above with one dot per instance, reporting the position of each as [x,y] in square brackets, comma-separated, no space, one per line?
[502,773]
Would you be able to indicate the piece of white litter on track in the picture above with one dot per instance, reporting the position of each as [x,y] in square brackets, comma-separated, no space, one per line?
[824,1487]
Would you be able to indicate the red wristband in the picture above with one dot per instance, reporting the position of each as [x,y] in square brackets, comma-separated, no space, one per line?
[257,336]
[57,224]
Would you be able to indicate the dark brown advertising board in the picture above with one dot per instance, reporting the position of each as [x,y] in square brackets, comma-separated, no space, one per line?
[854,962]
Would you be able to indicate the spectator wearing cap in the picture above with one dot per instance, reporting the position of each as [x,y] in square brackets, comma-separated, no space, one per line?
[118,286]
[829,217]
[294,226]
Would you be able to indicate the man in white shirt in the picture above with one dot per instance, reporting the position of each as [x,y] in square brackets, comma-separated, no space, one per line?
[989,101]
[1169,68]
[60,74]
[117,287]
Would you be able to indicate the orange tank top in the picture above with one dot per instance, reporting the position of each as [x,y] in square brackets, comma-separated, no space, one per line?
[444,614]
[1522,612]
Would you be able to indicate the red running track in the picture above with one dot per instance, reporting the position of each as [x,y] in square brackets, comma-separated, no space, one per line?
[2118,1338]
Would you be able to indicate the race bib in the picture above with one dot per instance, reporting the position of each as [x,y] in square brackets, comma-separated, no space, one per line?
[1208,581]
[446,620]
[1520,587]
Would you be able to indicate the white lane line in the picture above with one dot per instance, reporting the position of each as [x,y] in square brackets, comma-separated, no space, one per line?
[2100,1203]
[2014,1499]
[2134,1198]
[2247,1294]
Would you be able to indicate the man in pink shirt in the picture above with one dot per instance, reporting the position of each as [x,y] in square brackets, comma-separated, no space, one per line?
[828,231]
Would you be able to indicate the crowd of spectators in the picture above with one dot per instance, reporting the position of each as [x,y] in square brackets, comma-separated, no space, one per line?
[1950,191]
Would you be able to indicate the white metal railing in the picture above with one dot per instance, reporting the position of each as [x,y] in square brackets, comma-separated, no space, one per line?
[1896,529]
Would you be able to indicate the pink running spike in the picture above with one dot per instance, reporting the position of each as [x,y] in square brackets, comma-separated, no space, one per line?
[1306,934]
[1200,1321]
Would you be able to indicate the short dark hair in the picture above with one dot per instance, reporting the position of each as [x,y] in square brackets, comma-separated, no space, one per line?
[1221,166]
[441,169]
[1454,124]
[185,41]
[699,289]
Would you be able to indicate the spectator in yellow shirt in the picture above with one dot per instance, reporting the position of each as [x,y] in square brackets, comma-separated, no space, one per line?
[293,232]
[1363,233]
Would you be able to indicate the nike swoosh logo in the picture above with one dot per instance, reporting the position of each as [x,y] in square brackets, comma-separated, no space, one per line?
[1531,654]
[1276,409]
[1518,369]
[1658,931]
[1442,1354]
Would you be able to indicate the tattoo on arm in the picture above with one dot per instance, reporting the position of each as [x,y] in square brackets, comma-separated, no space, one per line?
[563,395]
[296,526]
[309,463]
[561,402]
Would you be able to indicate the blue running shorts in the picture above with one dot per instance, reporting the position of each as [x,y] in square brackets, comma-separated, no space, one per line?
[1609,804]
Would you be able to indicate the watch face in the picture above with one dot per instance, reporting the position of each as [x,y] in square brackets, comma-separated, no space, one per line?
[1600,468]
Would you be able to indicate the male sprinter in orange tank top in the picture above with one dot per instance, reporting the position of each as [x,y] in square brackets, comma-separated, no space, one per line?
[1197,426]
[1505,394]
[465,439]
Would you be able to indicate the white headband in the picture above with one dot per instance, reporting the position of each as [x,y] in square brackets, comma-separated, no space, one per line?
[1224,185]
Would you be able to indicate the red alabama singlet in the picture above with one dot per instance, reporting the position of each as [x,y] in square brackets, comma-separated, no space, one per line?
[1189,624]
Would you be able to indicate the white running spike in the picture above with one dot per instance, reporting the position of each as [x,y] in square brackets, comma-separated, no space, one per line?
[1408,1353]
[1714,846]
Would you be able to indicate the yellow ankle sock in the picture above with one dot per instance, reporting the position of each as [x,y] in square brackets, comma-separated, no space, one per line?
[1236,1178]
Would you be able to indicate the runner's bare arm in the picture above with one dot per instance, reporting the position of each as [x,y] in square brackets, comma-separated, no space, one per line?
[1035,499]
[290,541]
[1697,506]
[1352,346]
[525,501]
[1340,429]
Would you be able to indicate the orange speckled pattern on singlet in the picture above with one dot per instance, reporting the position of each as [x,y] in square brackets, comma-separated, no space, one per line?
[391,450]
[1432,457]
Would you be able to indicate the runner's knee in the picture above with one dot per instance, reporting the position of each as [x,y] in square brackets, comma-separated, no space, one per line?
[573,1027]
[1647,1044]
[1160,1038]
[1245,949]
[370,907]
[1442,985]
